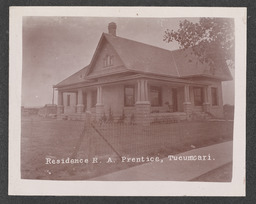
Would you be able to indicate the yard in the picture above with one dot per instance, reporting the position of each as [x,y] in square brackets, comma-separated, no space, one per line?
[43,138]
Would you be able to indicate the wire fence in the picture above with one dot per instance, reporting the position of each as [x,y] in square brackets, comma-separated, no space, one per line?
[156,139]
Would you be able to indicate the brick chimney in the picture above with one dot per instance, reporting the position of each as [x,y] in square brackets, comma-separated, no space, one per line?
[112,28]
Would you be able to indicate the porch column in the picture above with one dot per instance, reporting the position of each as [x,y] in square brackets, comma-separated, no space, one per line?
[80,103]
[99,95]
[99,104]
[89,100]
[206,104]
[187,104]
[60,107]
[142,106]
[142,94]
[146,90]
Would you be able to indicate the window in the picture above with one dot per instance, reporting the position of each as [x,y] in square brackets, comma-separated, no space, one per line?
[214,96]
[94,98]
[108,61]
[105,62]
[68,100]
[155,96]
[129,96]
[198,96]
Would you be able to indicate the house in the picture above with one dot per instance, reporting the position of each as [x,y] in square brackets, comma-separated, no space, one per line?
[143,82]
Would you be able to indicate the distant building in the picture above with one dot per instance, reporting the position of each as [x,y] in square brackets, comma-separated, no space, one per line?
[26,111]
[48,110]
[143,81]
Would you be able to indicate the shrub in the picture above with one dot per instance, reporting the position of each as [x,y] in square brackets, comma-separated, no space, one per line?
[110,115]
[122,117]
[103,118]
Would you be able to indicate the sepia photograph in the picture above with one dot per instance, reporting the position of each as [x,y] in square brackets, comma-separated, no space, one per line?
[118,98]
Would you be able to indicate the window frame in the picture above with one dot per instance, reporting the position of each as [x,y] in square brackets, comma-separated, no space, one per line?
[133,87]
[159,88]
[108,61]
[201,96]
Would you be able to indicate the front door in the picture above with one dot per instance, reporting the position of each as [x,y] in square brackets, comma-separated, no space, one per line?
[174,100]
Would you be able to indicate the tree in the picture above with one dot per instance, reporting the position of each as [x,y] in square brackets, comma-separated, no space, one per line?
[210,39]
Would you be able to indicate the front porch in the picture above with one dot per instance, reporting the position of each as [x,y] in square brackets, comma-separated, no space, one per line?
[138,101]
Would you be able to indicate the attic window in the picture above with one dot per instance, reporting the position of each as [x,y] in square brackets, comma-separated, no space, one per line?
[108,61]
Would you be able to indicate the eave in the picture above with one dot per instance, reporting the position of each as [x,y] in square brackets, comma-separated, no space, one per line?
[219,78]
[176,81]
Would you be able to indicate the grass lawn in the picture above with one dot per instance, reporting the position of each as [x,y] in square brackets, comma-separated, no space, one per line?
[48,138]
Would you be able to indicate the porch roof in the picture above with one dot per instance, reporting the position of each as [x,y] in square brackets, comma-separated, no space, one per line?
[130,78]
[77,77]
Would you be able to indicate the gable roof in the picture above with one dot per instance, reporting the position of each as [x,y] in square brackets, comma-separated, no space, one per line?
[96,55]
[144,58]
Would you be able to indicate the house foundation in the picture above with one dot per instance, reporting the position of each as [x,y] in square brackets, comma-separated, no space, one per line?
[80,108]
[60,109]
[187,106]
[142,114]
[206,107]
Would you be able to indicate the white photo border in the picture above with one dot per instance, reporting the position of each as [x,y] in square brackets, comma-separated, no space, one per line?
[18,186]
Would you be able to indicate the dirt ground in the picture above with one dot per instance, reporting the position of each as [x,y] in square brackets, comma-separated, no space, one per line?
[43,138]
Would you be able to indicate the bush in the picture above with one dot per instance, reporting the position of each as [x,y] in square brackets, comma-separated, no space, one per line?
[110,116]
[122,117]
[103,118]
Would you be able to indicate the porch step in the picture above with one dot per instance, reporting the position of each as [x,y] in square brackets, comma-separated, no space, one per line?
[168,117]
[201,116]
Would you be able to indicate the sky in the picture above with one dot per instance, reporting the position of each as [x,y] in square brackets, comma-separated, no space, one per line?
[56,47]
